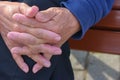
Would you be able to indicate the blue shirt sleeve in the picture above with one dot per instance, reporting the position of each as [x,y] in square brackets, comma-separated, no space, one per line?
[88,12]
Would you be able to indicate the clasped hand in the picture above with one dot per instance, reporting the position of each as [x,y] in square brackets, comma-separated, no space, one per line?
[35,32]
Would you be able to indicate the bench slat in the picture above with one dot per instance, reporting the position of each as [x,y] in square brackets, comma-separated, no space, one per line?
[104,36]
[99,41]
[110,22]
[117,5]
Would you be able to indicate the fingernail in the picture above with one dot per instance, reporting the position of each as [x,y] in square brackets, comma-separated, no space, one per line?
[27,12]
[14,51]
[58,38]
[10,35]
[47,64]
[58,52]
[25,68]
[36,68]
[16,16]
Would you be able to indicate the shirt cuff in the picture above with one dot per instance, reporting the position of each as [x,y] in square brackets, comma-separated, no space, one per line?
[83,13]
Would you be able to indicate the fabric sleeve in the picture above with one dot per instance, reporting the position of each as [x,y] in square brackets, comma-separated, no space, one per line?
[88,12]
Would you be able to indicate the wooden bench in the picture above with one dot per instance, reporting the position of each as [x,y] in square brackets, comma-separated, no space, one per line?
[104,36]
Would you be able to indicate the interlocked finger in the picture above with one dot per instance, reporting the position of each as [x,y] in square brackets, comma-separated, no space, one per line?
[38,66]
[24,38]
[25,20]
[20,62]
[46,48]
[35,49]
[40,59]
[40,33]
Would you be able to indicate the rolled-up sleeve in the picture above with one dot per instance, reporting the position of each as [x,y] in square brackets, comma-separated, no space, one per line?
[88,12]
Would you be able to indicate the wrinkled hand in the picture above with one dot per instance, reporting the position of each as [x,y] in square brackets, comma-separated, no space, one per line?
[33,46]
[6,21]
[58,20]
[7,24]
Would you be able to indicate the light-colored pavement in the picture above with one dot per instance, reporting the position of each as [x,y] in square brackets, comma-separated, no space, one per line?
[95,66]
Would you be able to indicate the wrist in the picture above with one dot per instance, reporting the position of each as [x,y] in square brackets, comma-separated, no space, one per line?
[74,23]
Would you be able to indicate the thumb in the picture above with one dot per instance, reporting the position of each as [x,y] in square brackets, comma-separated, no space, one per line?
[27,10]
[45,15]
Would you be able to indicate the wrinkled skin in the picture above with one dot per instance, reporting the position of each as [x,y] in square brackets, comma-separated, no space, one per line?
[7,24]
[58,20]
